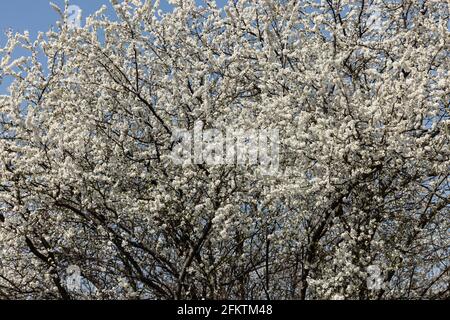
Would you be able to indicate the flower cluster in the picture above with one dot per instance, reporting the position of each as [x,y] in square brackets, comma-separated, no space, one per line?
[87,179]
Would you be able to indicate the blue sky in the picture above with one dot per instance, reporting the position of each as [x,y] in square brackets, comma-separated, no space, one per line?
[37,15]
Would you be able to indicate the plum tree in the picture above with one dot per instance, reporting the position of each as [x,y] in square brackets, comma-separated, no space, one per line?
[362,189]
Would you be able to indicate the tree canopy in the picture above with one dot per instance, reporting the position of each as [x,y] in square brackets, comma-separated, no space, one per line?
[358,91]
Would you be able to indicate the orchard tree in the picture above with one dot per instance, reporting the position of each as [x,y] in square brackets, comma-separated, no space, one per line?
[358,207]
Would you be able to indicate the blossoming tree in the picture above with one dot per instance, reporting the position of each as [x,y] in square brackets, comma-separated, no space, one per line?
[361,192]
